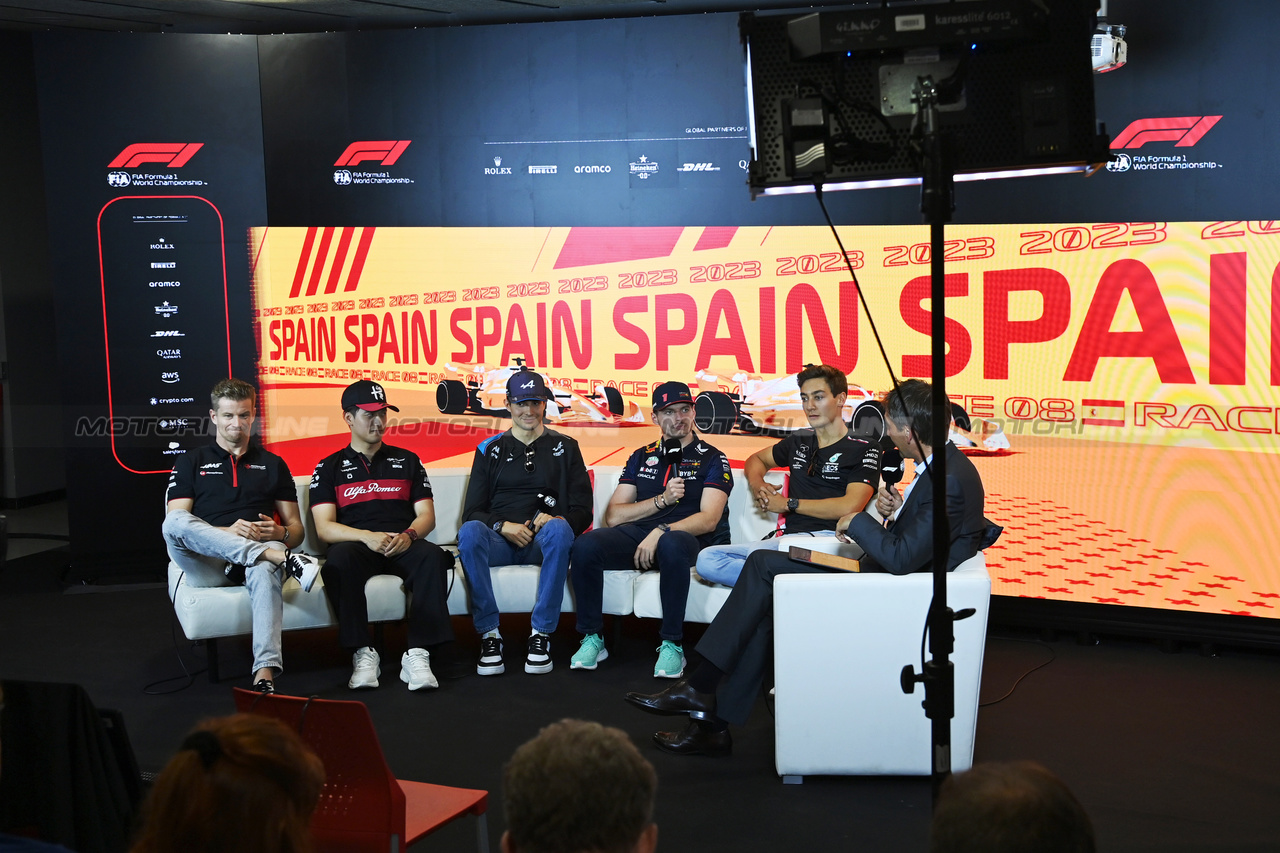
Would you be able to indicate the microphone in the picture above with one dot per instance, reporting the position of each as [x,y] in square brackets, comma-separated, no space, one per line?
[548,500]
[672,453]
[892,467]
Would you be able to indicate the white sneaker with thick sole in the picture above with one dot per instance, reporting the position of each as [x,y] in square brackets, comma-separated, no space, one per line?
[415,670]
[365,669]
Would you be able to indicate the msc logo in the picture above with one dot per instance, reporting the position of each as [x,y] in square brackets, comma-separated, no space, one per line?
[358,152]
[172,154]
[1183,132]
[342,177]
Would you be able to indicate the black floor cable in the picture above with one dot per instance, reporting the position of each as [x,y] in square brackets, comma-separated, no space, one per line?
[1052,657]
[188,677]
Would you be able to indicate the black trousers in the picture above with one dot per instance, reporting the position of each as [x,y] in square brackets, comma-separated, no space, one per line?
[739,641]
[424,567]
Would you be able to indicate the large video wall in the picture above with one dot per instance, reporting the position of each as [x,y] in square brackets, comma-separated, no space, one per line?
[430,208]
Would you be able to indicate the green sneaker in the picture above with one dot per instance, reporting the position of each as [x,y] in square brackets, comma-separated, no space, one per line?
[591,652]
[670,661]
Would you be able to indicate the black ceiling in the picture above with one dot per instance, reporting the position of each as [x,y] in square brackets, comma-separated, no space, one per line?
[302,16]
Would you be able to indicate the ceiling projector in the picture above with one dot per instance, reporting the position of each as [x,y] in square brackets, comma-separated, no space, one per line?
[1109,49]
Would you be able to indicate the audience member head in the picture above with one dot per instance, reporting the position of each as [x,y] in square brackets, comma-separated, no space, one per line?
[1014,807]
[579,787]
[836,381]
[243,783]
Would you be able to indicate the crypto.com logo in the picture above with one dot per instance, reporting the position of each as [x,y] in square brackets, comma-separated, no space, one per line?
[387,152]
[1183,132]
[172,154]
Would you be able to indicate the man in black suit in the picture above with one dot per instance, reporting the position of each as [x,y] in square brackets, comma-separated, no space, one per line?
[737,644]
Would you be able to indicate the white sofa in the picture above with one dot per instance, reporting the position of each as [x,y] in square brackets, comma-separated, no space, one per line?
[843,711]
[210,613]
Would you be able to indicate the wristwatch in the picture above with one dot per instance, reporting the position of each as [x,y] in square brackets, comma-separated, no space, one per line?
[411,533]
[793,504]
[664,527]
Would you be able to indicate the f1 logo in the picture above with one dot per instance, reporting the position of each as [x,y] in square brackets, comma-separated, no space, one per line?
[358,152]
[1183,132]
[172,154]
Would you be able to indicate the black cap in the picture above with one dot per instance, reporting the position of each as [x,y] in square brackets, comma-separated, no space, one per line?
[525,385]
[366,395]
[670,393]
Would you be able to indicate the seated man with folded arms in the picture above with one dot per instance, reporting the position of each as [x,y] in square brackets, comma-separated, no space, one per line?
[579,787]
[373,504]
[738,642]
[221,528]
[665,510]
[528,497]
[830,474]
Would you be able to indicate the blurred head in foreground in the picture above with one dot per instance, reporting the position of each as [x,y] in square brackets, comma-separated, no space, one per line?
[1013,807]
[245,783]
[579,787]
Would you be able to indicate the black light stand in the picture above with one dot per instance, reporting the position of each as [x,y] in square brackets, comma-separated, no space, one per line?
[936,203]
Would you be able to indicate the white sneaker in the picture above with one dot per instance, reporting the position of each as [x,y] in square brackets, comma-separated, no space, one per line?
[415,670]
[303,567]
[365,669]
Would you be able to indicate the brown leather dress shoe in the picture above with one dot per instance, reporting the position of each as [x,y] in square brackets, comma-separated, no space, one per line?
[679,698]
[697,738]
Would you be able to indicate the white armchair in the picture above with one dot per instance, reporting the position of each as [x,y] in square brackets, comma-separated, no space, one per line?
[840,643]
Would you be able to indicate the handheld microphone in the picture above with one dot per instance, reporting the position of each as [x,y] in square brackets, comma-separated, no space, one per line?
[548,500]
[672,453]
[892,467]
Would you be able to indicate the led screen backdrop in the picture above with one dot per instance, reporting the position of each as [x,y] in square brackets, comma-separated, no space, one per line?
[1128,368]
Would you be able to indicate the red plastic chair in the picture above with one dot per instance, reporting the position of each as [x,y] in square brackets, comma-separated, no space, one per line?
[363,807]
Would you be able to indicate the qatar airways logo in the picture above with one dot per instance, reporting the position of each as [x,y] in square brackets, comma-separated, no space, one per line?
[370,488]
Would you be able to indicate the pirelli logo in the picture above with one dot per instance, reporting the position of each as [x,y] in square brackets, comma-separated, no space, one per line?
[387,153]
[172,154]
[335,264]
[1183,131]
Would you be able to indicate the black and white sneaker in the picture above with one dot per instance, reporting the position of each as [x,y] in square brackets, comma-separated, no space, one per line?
[264,685]
[490,656]
[303,567]
[538,660]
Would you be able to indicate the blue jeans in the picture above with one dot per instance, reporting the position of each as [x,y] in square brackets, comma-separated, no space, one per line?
[479,548]
[202,551]
[723,563]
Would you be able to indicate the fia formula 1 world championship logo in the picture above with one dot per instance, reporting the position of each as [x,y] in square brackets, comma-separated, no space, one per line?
[170,155]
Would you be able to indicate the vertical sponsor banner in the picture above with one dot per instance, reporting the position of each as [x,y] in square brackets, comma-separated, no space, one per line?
[153,171]
[1118,378]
